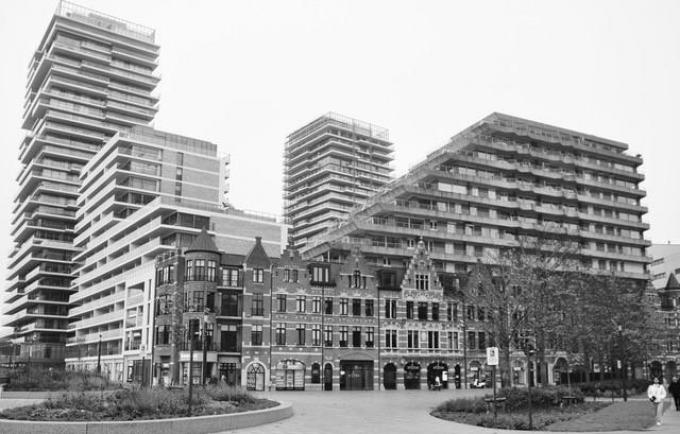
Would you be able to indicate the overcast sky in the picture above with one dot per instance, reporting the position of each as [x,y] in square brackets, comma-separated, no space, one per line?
[244,74]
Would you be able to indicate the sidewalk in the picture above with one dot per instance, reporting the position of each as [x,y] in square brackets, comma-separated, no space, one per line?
[670,423]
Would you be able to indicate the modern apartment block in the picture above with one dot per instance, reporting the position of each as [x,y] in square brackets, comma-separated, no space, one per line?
[145,193]
[91,77]
[502,180]
[332,165]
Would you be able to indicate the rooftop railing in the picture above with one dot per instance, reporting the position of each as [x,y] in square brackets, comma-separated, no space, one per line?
[113,24]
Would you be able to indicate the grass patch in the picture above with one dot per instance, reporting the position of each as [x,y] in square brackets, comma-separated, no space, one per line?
[631,415]
[140,404]
[543,418]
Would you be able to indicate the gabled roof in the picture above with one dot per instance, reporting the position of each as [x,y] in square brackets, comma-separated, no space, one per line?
[257,257]
[291,258]
[672,283]
[203,243]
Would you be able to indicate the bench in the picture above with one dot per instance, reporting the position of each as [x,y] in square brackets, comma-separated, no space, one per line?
[567,400]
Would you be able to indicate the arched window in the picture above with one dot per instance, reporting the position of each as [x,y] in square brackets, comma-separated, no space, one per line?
[316,373]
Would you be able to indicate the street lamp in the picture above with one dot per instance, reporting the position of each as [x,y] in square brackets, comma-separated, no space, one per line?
[99,356]
[530,374]
[204,336]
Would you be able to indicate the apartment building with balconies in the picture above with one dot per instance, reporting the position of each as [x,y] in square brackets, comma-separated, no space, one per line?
[499,181]
[91,77]
[332,165]
[145,194]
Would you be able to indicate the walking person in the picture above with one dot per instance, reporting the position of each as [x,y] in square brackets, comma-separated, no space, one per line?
[657,393]
[674,389]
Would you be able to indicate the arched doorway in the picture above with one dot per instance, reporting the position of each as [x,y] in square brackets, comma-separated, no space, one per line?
[437,370]
[316,373]
[456,376]
[255,377]
[561,371]
[390,376]
[517,372]
[290,375]
[412,376]
[328,377]
[655,369]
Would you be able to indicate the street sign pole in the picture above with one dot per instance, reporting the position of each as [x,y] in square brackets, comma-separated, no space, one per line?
[492,360]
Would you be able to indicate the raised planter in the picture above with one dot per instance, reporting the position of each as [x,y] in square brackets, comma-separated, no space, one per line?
[198,425]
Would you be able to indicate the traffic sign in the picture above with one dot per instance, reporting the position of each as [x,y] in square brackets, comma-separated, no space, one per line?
[492,356]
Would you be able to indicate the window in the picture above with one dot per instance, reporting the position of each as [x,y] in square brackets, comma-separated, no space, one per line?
[294,276]
[258,275]
[481,340]
[316,336]
[230,277]
[433,339]
[356,307]
[370,336]
[356,337]
[258,305]
[471,313]
[199,269]
[409,310]
[320,275]
[480,313]
[390,309]
[422,311]
[455,343]
[280,334]
[256,335]
[281,302]
[300,329]
[230,305]
[301,303]
[390,339]
[328,336]
[189,273]
[435,311]
[452,312]
[369,307]
[328,306]
[316,305]
[422,281]
[356,279]
[343,306]
[412,339]
[212,266]
[163,335]
[343,336]
[286,275]
[472,340]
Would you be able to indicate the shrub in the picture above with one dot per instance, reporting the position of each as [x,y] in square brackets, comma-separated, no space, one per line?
[606,387]
[44,379]
[541,397]
[223,392]
[464,405]
[504,421]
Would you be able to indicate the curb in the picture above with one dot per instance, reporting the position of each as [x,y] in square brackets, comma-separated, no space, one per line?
[198,425]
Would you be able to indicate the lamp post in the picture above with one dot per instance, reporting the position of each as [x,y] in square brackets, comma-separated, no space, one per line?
[99,356]
[191,363]
[530,374]
[204,335]
[624,364]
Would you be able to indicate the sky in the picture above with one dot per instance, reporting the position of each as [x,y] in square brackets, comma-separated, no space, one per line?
[245,74]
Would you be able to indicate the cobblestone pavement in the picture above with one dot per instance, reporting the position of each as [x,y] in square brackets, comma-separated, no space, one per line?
[393,412]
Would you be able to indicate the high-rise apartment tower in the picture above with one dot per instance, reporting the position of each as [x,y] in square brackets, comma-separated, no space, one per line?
[91,77]
[332,165]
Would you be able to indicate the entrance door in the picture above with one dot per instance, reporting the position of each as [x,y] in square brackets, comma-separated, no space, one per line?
[328,377]
[390,376]
[255,377]
[412,376]
[356,375]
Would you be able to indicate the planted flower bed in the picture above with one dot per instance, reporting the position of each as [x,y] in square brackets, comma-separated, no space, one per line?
[548,407]
[140,404]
